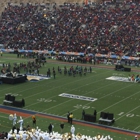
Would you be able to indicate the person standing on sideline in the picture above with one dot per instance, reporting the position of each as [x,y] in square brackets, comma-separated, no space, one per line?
[50,128]
[62,127]
[95,113]
[71,118]
[83,114]
[72,129]
[34,120]
[68,117]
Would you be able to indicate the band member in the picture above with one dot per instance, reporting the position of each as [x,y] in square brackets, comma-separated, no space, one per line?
[21,123]
[72,129]
[14,119]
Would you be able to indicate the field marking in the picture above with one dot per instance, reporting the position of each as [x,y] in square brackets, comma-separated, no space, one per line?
[136,128]
[68,84]
[71,90]
[82,94]
[40,85]
[112,104]
[37,86]
[78,97]
[3,117]
[69,99]
[29,86]
[128,112]
[88,93]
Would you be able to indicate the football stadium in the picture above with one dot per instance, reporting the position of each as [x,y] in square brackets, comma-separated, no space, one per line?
[69,70]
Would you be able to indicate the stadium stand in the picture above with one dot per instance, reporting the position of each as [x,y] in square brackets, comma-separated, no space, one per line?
[93,28]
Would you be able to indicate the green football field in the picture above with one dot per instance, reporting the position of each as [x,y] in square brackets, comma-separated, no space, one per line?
[120,98]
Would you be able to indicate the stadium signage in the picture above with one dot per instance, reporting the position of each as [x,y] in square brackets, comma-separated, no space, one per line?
[78,97]
[73,53]
[118,78]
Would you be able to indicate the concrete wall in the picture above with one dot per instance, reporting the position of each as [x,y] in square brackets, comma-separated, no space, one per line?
[3,3]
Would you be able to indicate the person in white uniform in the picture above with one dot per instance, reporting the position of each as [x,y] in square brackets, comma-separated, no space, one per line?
[9,135]
[18,137]
[72,129]
[24,135]
[14,119]
[20,123]
[46,137]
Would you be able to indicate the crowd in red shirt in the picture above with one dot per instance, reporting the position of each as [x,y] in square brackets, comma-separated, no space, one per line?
[96,28]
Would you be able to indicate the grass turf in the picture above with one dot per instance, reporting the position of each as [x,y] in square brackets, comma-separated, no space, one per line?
[119,98]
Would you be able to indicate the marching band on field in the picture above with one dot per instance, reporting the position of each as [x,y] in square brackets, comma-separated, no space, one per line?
[36,134]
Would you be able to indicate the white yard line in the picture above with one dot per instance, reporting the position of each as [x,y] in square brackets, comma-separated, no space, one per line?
[30,86]
[128,111]
[136,128]
[65,78]
[72,90]
[3,117]
[68,90]
[86,94]
[106,96]
[68,84]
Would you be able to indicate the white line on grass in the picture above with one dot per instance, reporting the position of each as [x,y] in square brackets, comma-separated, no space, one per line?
[72,90]
[136,128]
[36,86]
[30,86]
[120,101]
[65,101]
[72,99]
[3,117]
[128,112]
[92,91]
[85,94]
[106,96]
[61,86]
[66,84]
[112,104]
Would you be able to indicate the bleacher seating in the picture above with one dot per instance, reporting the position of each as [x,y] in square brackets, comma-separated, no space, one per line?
[81,36]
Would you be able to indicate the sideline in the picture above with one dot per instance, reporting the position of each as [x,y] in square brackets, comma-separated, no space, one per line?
[27,113]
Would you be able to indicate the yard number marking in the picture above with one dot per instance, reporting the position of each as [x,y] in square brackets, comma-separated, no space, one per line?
[44,100]
[78,106]
[127,115]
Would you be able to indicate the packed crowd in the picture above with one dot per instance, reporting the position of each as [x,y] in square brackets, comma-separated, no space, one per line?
[96,28]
